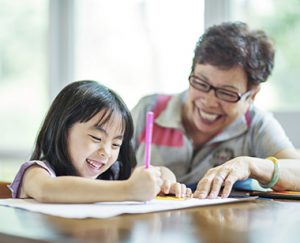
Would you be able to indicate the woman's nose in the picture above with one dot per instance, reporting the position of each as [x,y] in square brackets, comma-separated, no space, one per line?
[210,98]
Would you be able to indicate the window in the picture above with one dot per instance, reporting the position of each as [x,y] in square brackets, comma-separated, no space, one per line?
[23,75]
[139,47]
[281,21]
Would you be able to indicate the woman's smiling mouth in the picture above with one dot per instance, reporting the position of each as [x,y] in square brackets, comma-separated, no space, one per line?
[208,118]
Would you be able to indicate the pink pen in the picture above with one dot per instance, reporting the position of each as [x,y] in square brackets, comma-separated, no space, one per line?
[148,139]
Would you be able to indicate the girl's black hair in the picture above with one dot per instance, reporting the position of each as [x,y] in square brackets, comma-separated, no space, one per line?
[79,102]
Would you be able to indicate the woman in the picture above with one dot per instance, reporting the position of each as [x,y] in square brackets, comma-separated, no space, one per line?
[212,134]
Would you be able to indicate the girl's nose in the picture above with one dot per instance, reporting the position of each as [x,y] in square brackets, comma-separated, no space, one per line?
[104,152]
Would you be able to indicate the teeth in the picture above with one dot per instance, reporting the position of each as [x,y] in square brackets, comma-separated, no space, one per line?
[207,116]
[92,163]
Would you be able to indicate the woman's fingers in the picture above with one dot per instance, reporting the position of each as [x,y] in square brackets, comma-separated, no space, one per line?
[222,178]
[203,187]
[217,183]
[228,184]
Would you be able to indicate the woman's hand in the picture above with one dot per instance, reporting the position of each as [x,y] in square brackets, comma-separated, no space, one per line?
[176,188]
[224,175]
[144,184]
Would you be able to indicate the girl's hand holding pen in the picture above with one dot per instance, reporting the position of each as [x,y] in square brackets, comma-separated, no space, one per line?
[144,184]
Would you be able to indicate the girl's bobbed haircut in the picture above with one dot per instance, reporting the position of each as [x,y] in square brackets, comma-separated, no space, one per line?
[79,102]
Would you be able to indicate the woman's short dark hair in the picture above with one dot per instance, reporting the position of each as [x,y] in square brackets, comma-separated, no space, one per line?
[79,102]
[233,44]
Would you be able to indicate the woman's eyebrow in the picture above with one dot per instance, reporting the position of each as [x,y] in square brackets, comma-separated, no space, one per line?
[203,77]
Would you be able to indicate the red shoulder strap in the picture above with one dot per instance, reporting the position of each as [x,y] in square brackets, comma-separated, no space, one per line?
[163,136]
[161,103]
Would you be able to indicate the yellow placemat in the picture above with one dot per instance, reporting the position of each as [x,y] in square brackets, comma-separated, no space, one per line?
[169,198]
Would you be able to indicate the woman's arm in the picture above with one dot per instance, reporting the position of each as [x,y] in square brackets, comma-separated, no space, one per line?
[289,170]
[244,167]
[141,186]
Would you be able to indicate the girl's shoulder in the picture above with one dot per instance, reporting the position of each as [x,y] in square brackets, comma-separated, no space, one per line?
[15,185]
[42,164]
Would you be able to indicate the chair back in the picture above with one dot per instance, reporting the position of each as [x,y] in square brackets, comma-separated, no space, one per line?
[4,190]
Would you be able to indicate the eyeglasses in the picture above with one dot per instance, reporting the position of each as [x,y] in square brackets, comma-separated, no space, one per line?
[222,94]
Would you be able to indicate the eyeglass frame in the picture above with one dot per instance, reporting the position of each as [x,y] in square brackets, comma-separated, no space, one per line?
[239,96]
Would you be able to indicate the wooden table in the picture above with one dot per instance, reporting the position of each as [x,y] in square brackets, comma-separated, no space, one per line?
[263,221]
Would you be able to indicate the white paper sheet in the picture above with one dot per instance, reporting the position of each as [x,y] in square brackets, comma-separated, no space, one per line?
[110,209]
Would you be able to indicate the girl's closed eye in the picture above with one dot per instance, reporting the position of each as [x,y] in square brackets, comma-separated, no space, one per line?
[96,139]
[116,145]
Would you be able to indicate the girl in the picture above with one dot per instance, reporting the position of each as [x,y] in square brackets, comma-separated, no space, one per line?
[87,135]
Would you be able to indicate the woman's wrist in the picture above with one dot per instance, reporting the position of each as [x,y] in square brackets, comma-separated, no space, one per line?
[275,174]
[252,168]
[258,168]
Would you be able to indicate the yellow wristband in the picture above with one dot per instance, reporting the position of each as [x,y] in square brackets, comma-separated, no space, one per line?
[275,176]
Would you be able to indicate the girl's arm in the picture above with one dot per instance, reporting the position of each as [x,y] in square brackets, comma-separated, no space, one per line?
[141,186]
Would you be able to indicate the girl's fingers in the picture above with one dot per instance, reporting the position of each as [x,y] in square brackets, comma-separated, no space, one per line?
[166,186]
[177,188]
[183,190]
[189,192]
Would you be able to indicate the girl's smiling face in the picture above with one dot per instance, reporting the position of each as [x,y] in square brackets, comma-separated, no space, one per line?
[208,114]
[93,148]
